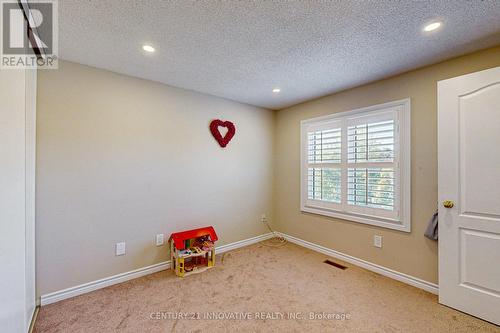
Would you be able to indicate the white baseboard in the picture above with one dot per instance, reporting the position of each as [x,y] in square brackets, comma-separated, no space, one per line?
[102,283]
[242,243]
[136,273]
[402,277]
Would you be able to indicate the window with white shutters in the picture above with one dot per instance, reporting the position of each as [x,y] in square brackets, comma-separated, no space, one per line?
[324,156]
[355,165]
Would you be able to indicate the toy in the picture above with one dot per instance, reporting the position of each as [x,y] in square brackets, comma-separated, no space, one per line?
[192,251]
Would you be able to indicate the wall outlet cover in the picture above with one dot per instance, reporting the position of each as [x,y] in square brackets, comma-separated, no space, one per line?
[120,249]
[377,241]
[160,240]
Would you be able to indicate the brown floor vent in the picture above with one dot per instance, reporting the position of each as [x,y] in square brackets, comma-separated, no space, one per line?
[333,263]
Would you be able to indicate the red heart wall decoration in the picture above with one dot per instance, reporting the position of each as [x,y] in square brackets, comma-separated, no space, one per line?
[214,128]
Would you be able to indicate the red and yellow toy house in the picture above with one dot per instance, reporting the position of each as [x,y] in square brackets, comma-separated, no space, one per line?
[192,251]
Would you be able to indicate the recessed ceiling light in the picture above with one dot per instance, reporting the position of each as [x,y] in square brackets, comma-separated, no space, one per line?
[432,26]
[276,90]
[148,48]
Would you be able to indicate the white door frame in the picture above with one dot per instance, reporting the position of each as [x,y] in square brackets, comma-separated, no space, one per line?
[30,156]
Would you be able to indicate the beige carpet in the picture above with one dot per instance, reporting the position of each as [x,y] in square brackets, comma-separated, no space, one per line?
[260,289]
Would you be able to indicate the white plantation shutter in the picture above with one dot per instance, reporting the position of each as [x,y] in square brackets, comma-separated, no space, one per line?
[371,140]
[325,145]
[371,164]
[324,157]
[351,165]
[371,187]
[324,184]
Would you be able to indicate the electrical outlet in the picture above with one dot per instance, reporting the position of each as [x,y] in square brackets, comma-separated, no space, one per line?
[159,240]
[120,249]
[263,218]
[377,241]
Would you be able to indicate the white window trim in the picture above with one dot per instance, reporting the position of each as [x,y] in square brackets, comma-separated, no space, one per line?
[403,222]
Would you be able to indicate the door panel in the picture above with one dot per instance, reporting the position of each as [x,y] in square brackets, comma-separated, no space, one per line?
[469,176]
[475,267]
[479,160]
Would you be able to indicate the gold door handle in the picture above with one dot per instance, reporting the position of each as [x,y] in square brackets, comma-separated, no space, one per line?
[448,204]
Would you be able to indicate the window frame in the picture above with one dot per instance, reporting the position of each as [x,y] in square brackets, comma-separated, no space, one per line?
[400,219]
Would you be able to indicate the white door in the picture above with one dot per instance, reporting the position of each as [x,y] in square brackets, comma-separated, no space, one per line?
[469,178]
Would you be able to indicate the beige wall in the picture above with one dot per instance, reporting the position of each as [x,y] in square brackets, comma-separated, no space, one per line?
[122,159]
[410,253]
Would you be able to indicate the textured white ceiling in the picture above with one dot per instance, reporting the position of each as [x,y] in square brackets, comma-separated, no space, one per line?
[240,50]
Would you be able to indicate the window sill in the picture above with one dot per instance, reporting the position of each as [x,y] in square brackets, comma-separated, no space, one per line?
[365,219]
